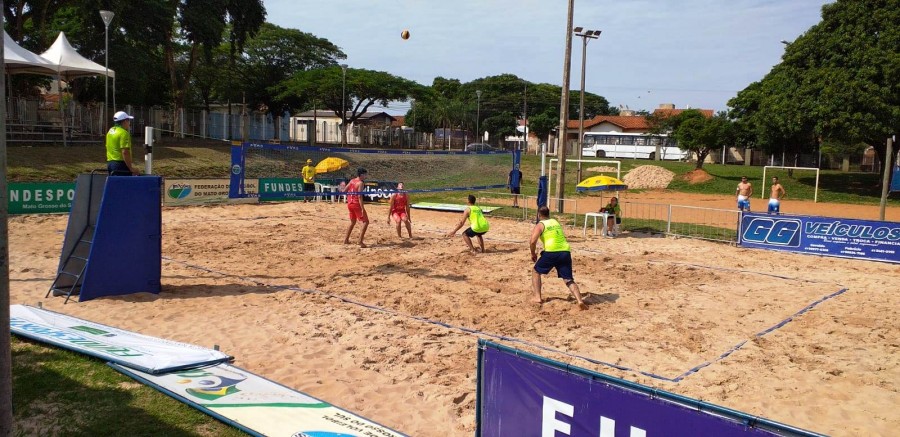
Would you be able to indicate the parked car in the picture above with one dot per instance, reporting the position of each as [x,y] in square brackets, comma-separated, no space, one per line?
[481,147]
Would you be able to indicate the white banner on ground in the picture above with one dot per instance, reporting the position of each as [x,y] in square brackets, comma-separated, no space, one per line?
[257,405]
[200,191]
[141,352]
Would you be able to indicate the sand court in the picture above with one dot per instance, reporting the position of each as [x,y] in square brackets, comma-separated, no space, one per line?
[390,331]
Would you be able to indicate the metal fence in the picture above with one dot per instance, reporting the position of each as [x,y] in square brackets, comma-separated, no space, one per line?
[682,221]
[33,120]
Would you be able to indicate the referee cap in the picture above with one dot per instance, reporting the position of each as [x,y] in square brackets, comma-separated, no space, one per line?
[121,115]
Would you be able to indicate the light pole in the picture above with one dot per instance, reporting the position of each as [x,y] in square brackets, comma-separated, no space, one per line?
[564,112]
[344,106]
[107,17]
[585,35]
[478,118]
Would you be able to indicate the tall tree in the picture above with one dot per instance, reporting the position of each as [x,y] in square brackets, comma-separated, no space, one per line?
[199,29]
[837,82]
[702,135]
[268,58]
[364,89]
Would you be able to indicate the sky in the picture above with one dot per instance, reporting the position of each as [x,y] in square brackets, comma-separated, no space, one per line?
[693,53]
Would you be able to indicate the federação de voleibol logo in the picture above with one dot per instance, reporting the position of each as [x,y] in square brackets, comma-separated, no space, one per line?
[211,386]
[774,231]
[179,191]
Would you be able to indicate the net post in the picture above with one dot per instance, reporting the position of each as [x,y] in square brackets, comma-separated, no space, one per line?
[148,150]
[816,194]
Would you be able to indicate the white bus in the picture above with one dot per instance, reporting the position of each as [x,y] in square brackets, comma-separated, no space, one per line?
[631,145]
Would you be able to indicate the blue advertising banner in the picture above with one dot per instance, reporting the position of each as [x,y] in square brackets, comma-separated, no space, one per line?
[895,180]
[828,236]
[526,395]
[290,188]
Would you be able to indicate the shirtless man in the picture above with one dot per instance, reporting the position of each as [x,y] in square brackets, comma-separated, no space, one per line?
[776,196]
[744,190]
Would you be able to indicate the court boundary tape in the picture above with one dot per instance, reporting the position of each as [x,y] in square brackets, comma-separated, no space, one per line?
[761,334]
[476,332]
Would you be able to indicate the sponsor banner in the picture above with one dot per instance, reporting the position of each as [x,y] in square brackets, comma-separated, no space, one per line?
[829,236]
[257,405]
[895,180]
[451,207]
[147,354]
[40,197]
[197,191]
[525,395]
[292,188]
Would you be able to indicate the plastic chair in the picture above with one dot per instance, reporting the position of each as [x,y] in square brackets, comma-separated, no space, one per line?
[595,215]
[318,190]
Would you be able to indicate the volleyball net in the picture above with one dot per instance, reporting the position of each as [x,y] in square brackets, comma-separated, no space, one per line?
[276,170]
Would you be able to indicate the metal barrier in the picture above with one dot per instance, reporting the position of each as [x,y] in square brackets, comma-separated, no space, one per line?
[570,206]
[651,218]
[703,223]
[682,221]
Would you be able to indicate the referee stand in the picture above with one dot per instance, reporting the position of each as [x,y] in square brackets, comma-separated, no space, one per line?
[113,241]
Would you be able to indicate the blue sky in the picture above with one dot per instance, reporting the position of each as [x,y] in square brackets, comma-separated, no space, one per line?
[696,53]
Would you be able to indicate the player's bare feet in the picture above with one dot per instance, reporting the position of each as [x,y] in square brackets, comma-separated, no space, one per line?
[536,300]
[582,306]
[346,241]
[363,245]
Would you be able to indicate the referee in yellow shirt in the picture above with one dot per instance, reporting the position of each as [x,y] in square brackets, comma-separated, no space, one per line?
[309,178]
[118,147]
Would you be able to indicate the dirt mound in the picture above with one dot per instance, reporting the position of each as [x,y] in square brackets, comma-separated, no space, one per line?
[697,176]
[648,176]
[601,169]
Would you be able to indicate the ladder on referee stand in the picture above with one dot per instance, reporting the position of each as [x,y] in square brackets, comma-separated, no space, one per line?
[74,261]
[68,280]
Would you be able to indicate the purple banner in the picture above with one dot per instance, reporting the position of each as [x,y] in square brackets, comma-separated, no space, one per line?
[827,236]
[521,396]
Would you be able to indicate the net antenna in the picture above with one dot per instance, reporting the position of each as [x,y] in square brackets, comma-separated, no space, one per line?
[762,192]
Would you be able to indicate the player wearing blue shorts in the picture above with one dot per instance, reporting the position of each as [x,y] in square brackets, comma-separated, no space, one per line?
[776,196]
[556,254]
[744,191]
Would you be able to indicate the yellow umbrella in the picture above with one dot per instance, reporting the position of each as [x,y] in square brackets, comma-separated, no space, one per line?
[329,165]
[601,183]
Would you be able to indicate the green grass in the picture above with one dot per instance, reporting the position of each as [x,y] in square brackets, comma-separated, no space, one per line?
[57,392]
[834,186]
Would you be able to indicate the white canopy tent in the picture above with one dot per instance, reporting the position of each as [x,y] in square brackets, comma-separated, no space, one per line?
[20,60]
[68,65]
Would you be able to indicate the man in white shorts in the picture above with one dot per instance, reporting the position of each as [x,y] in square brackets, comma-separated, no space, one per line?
[776,196]
[744,191]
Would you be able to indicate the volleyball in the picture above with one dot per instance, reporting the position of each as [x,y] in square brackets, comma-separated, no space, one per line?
[404,34]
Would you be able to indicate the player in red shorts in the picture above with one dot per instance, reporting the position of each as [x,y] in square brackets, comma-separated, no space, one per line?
[399,211]
[355,206]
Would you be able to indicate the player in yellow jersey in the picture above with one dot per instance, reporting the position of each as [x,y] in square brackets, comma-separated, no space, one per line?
[556,254]
[478,225]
